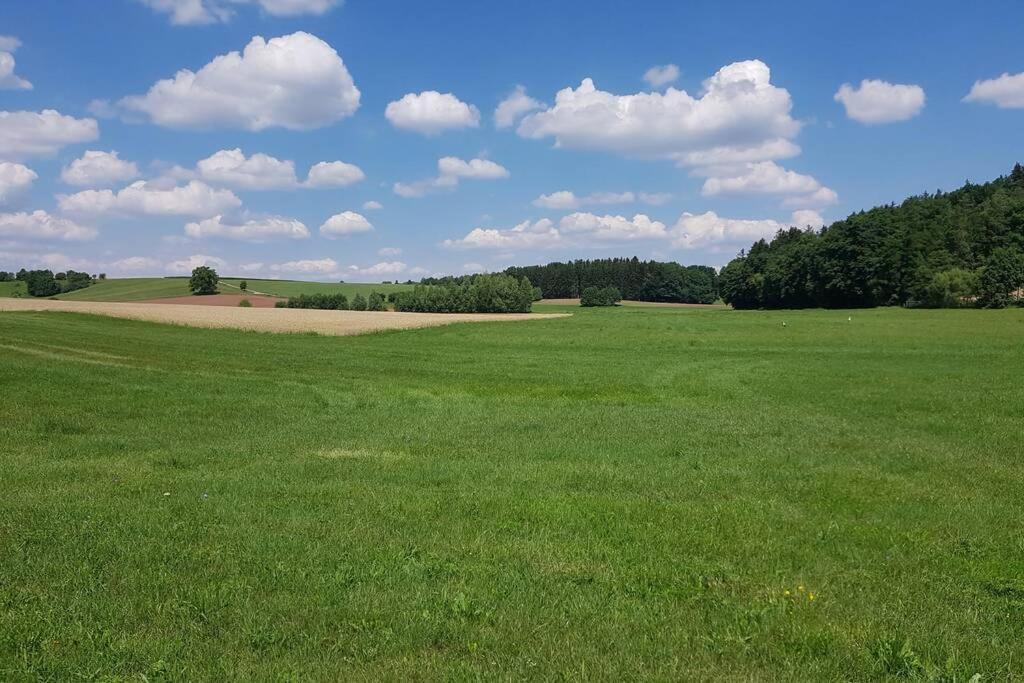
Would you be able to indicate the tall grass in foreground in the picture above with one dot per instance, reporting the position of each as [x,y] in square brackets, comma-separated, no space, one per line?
[626,493]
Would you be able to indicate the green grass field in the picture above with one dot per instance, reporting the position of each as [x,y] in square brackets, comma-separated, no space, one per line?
[130,289]
[629,493]
[8,289]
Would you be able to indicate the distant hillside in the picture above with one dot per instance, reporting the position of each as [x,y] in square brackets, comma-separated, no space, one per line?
[955,248]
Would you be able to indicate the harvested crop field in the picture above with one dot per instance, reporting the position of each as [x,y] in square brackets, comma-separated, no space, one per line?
[267,320]
[257,301]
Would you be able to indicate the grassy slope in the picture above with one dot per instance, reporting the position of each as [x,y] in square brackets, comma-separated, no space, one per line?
[625,493]
[130,289]
[9,288]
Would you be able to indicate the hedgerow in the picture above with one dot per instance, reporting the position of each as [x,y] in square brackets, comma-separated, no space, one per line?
[475,294]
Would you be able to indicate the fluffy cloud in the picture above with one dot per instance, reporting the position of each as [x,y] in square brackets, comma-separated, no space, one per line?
[135,263]
[1006,92]
[540,234]
[26,134]
[710,230]
[739,109]
[572,230]
[197,12]
[658,76]
[97,169]
[377,270]
[612,228]
[431,112]
[807,218]
[345,223]
[297,82]
[253,230]
[767,177]
[230,167]
[450,171]
[187,265]
[8,79]
[42,225]
[258,172]
[14,179]
[307,266]
[372,205]
[880,102]
[564,199]
[334,174]
[514,107]
[152,199]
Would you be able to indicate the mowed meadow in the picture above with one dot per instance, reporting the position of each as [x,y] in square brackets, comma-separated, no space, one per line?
[626,493]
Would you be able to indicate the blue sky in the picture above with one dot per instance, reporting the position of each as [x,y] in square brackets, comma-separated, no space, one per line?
[748,128]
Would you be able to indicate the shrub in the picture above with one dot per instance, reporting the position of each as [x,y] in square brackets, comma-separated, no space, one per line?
[376,302]
[243,285]
[605,296]
[245,303]
[41,283]
[203,281]
[475,294]
[324,302]
[359,302]
[1002,275]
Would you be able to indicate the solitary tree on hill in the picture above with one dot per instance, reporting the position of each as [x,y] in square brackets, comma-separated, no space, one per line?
[203,281]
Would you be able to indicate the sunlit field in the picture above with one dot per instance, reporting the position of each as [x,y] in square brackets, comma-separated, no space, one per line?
[626,493]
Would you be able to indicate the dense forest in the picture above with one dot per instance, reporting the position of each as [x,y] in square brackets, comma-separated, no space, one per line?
[960,248]
[635,279]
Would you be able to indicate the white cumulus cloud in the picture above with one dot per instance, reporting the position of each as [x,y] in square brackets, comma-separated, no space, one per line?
[199,12]
[877,101]
[8,79]
[14,179]
[1006,91]
[710,230]
[296,82]
[135,263]
[807,218]
[98,169]
[450,171]
[152,199]
[565,199]
[431,113]
[372,205]
[25,134]
[739,109]
[334,174]
[307,266]
[658,76]
[513,107]
[253,230]
[345,223]
[767,177]
[43,226]
[258,172]
[190,263]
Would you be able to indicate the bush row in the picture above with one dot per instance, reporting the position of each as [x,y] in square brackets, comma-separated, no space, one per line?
[336,302]
[600,296]
[476,294]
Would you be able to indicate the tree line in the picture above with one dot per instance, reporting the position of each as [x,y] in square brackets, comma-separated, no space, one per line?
[497,293]
[947,249]
[43,283]
[634,279]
